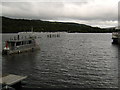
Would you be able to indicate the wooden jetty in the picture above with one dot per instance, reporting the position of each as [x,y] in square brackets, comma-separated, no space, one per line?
[12,81]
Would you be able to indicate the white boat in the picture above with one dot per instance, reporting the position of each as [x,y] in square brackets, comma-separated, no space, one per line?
[25,41]
[115,36]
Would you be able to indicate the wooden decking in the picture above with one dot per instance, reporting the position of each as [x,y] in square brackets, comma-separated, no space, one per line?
[13,81]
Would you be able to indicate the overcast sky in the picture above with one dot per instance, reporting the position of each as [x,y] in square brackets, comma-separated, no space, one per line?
[101,13]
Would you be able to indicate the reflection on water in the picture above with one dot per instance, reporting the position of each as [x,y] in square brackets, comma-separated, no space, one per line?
[71,60]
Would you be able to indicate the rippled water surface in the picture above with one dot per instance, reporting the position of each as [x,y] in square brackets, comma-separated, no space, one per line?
[70,61]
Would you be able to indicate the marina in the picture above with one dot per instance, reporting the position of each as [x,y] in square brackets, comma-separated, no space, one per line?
[74,45]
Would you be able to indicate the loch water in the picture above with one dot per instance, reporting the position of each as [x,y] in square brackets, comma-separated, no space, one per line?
[70,60]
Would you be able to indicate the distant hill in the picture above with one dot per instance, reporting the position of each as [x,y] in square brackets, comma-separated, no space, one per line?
[10,25]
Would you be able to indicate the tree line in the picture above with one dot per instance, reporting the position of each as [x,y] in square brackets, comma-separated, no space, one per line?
[10,25]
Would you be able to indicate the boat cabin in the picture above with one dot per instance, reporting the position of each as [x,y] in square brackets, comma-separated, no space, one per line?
[16,43]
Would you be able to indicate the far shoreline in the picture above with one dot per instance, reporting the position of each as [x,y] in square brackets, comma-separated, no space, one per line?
[54,32]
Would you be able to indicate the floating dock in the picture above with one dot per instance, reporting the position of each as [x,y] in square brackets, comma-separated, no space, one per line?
[12,81]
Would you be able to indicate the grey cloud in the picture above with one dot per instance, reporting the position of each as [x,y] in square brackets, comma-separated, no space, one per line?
[59,11]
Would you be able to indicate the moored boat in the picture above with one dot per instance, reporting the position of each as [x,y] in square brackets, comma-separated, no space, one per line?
[21,44]
[115,37]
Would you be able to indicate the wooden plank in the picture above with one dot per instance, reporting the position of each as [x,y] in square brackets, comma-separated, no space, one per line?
[11,79]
